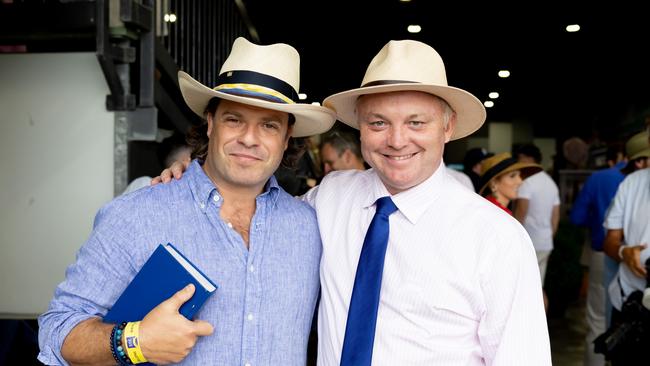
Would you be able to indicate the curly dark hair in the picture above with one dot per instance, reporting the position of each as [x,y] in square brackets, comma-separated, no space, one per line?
[197,138]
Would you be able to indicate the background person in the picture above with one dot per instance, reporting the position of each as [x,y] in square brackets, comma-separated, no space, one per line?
[340,150]
[627,239]
[538,207]
[589,210]
[472,165]
[501,178]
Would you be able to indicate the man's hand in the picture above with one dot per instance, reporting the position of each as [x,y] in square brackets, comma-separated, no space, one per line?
[166,336]
[632,259]
[174,171]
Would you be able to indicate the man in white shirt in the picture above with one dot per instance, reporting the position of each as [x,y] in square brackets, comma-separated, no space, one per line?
[538,207]
[459,283]
[627,240]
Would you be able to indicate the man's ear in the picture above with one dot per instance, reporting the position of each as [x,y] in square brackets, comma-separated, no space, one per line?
[287,137]
[347,156]
[451,127]
[210,119]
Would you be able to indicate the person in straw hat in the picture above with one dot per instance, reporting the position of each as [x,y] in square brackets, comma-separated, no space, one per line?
[626,241]
[228,216]
[501,176]
[589,209]
[459,285]
[417,269]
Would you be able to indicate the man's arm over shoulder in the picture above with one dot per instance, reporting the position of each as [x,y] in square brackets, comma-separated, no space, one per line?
[513,329]
[333,180]
[310,196]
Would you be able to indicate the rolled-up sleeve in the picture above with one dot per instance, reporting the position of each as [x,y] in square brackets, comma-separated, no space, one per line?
[91,285]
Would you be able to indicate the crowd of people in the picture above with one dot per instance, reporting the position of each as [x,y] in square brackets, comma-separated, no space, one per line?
[408,261]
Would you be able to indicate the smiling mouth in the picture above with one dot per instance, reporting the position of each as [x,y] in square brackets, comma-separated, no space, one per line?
[245,156]
[400,157]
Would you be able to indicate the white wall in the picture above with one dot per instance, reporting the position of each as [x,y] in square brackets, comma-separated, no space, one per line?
[499,137]
[547,148]
[56,149]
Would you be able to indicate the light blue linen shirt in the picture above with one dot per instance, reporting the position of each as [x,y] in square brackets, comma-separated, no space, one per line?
[263,308]
[630,212]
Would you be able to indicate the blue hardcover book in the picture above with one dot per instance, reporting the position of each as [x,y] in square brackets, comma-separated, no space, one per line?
[162,275]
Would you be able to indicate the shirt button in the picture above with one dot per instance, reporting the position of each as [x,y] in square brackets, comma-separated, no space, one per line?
[247,364]
[202,205]
[250,317]
[251,268]
[215,198]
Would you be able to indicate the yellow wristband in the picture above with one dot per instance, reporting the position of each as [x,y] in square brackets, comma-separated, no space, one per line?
[132,343]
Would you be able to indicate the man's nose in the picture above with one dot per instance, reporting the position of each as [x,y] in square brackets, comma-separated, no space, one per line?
[249,135]
[396,138]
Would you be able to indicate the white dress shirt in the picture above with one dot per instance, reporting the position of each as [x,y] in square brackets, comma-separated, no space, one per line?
[460,283]
[463,178]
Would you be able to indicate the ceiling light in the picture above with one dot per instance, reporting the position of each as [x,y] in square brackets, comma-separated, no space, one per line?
[404,1]
[414,28]
[170,18]
[493,95]
[504,73]
[572,28]
[302,96]
[488,104]
[315,103]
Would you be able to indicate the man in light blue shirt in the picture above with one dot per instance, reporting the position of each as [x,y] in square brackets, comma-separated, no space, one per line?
[230,218]
[627,239]
[589,210]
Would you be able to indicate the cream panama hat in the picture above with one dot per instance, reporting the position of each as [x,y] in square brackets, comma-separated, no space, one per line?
[261,76]
[410,66]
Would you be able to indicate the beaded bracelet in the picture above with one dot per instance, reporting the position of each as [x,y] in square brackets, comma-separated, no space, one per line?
[116,345]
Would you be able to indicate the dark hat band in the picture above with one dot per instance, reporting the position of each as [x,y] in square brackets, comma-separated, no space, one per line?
[387,82]
[256,78]
[496,170]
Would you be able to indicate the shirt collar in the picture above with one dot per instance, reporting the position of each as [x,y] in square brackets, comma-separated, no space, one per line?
[202,187]
[413,202]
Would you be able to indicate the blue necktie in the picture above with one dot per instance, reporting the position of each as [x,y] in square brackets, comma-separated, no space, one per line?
[362,315]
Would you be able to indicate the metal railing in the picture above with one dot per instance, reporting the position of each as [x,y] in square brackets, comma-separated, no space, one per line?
[198,34]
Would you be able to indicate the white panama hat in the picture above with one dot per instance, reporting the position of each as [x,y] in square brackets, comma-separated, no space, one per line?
[410,66]
[261,76]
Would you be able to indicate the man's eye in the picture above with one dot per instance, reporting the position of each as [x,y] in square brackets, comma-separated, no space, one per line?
[232,119]
[377,123]
[271,125]
[416,123]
